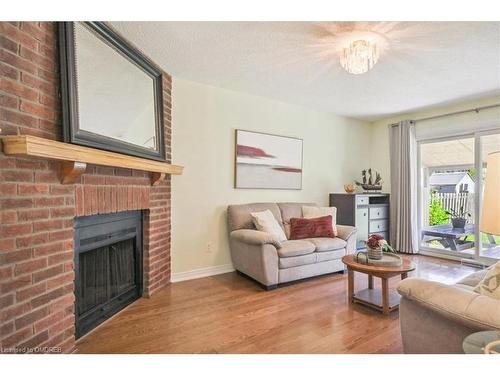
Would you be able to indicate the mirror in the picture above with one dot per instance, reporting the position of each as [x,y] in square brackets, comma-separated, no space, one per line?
[112,95]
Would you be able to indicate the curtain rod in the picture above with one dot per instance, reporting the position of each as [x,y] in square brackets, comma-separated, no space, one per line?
[455,113]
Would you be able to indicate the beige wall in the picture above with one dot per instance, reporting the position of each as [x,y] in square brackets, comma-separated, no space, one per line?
[445,126]
[204,119]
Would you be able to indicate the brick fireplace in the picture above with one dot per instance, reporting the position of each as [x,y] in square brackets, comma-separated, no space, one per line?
[37,212]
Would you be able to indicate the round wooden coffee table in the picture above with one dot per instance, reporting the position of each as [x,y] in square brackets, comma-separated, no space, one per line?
[383,300]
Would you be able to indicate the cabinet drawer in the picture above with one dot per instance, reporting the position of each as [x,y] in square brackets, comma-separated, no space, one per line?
[361,200]
[379,213]
[378,225]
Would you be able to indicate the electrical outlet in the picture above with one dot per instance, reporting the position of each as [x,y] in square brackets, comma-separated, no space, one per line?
[210,247]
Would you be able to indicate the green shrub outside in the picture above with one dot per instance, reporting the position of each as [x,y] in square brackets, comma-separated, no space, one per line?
[437,213]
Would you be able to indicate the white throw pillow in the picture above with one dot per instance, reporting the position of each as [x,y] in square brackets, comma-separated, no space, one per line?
[311,212]
[490,284]
[266,222]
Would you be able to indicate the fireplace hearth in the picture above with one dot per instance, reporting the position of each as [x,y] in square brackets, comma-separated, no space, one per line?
[108,266]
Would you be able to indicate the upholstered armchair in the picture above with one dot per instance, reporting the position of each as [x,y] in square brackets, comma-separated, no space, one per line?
[436,318]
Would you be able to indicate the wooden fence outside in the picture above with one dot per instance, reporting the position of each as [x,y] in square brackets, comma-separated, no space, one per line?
[456,200]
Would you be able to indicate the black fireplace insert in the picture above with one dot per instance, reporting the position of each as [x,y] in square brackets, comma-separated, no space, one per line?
[108,266]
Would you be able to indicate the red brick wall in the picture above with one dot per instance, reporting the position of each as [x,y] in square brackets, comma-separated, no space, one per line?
[36,211]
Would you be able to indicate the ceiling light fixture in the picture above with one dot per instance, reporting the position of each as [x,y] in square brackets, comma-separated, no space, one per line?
[359,57]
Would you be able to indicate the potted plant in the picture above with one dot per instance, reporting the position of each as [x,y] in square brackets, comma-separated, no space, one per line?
[376,245]
[458,219]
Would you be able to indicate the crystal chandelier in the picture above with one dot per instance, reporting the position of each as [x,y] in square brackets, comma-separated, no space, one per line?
[359,57]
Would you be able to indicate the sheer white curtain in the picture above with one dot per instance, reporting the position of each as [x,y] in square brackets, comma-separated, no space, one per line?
[403,154]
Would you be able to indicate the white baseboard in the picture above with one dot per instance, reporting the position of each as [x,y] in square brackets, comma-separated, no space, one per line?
[479,263]
[201,272]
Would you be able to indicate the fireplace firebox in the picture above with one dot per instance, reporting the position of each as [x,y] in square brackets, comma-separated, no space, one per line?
[108,266]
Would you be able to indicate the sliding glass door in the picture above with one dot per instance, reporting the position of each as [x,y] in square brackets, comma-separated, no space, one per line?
[451,180]
[448,188]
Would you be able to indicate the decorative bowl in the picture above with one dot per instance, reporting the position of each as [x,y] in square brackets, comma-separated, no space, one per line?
[349,188]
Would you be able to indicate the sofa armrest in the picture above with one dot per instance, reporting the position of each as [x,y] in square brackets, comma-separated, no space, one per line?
[254,254]
[345,231]
[254,237]
[453,302]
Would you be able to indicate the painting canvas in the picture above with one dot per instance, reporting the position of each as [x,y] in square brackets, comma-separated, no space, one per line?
[266,161]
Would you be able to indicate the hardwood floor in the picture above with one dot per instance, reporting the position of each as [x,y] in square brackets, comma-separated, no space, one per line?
[231,314]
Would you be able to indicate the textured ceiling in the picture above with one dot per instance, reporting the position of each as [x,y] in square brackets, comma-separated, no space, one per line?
[422,64]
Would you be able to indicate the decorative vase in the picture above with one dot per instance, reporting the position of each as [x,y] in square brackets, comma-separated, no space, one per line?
[374,253]
[458,222]
[349,188]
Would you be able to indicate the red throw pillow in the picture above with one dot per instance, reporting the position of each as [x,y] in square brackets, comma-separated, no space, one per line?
[308,228]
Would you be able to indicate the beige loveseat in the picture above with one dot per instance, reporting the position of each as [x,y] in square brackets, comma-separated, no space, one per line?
[259,256]
[435,318]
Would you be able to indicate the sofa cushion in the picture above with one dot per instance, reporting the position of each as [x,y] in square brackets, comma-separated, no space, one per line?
[311,228]
[238,215]
[294,248]
[265,221]
[301,260]
[473,279]
[490,284]
[328,244]
[289,210]
[325,256]
[310,212]
[462,305]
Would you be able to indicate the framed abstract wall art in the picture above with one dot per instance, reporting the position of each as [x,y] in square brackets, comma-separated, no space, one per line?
[267,161]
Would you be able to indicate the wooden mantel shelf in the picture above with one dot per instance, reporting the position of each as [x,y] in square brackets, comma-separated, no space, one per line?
[74,158]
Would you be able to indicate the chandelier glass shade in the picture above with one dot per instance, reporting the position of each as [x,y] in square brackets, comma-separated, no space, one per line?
[359,57]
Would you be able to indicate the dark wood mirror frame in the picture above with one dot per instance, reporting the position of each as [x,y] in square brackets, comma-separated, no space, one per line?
[69,93]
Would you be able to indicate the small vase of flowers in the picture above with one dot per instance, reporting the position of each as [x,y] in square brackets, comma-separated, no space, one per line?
[376,245]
